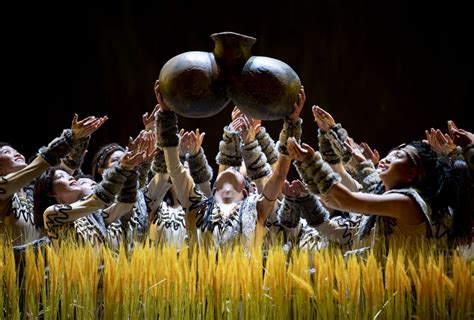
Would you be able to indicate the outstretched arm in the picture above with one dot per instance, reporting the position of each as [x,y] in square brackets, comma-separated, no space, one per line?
[274,185]
[168,139]
[322,180]
[49,155]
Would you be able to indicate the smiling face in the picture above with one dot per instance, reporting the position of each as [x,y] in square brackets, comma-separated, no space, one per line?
[10,160]
[229,186]
[65,188]
[396,169]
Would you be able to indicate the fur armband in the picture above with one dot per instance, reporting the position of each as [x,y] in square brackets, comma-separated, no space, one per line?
[317,174]
[58,148]
[159,164]
[255,161]
[288,213]
[367,176]
[200,169]
[229,153]
[312,210]
[167,129]
[268,145]
[337,135]
[113,181]
[326,149]
[128,193]
[290,129]
[143,171]
[75,157]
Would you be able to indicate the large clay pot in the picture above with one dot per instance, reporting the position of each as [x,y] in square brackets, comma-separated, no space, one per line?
[191,85]
[200,84]
[266,88]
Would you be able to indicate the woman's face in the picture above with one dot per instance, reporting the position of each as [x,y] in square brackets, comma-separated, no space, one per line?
[10,160]
[65,188]
[87,186]
[396,169]
[111,160]
[229,186]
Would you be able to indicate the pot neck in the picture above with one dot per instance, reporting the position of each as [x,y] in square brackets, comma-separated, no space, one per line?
[232,49]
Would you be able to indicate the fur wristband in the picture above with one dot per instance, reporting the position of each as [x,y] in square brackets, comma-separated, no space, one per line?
[337,136]
[159,164]
[268,145]
[288,213]
[326,149]
[200,169]
[143,171]
[58,148]
[317,174]
[290,129]
[75,157]
[114,178]
[367,176]
[128,193]
[255,161]
[312,210]
[167,129]
[229,153]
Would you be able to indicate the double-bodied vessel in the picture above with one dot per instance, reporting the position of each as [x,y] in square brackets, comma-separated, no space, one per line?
[199,84]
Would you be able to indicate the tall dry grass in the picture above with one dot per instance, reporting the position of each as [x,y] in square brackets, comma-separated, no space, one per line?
[151,282]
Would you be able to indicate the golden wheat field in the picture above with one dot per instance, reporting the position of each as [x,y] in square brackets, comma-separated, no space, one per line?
[159,282]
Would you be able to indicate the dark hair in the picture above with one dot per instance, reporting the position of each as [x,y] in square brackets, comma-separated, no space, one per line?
[101,156]
[447,188]
[3,144]
[168,198]
[41,195]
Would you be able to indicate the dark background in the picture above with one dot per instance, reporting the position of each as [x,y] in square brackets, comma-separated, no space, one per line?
[386,70]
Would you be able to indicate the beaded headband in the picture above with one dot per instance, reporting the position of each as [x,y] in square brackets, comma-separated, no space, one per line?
[415,159]
[107,151]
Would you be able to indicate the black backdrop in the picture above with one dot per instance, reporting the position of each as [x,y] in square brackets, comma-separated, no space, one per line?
[386,70]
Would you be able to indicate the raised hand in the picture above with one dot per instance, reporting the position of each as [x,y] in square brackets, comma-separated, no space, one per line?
[248,130]
[452,128]
[299,188]
[370,154]
[299,152]
[439,142]
[354,150]
[298,105]
[149,120]
[131,159]
[184,143]
[138,141]
[288,190]
[162,105]
[295,189]
[323,119]
[236,125]
[139,150]
[84,128]
[460,137]
[196,141]
[149,145]
[236,112]
[256,124]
